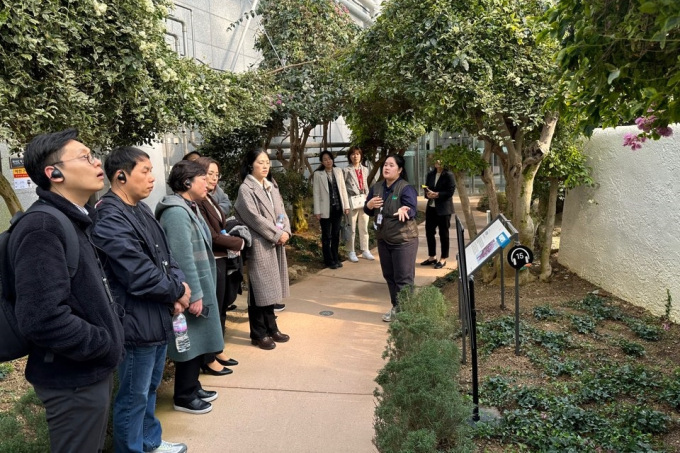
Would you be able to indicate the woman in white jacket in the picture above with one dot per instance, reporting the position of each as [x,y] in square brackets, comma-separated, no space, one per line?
[330,203]
[357,188]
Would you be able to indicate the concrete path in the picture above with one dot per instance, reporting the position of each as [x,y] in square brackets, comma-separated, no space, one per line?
[313,394]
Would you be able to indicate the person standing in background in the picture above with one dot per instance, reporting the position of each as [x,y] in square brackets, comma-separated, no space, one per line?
[357,188]
[330,203]
[440,186]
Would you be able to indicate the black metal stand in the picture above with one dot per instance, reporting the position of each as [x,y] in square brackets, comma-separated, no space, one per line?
[473,351]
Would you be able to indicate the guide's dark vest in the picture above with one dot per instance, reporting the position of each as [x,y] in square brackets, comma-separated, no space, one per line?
[392,230]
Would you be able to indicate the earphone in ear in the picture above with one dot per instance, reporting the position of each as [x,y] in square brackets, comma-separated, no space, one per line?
[121,177]
[187,183]
[56,173]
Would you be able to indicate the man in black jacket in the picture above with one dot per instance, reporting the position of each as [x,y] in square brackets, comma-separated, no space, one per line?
[147,281]
[72,323]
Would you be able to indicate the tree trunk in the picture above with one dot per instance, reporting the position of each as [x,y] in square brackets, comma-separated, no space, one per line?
[459,177]
[487,178]
[10,197]
[299,221]
[546,268]
[533,156]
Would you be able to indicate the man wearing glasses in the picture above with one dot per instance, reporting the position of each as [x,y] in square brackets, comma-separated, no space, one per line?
[72,321]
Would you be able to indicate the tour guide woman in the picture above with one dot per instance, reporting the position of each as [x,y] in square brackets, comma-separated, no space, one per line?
[392,203]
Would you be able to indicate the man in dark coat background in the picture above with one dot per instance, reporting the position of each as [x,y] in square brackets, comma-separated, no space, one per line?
[73,324]
[147,281]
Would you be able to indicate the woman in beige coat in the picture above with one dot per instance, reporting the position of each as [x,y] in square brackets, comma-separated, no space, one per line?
[259,206]
[356,181]
[330,203]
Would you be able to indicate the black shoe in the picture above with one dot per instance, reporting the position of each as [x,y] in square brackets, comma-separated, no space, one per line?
[264,343]
[231,307]
[440,264]
[279,307]
[333,266]
[207,370]
[279,337]
[197,406]
[338,264]
[207,395]
[427,262]
[230,362]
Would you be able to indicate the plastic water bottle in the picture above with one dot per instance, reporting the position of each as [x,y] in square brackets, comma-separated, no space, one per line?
[279,222]
[179,326]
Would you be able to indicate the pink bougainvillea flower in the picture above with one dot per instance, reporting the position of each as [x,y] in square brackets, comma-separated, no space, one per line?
[664,131]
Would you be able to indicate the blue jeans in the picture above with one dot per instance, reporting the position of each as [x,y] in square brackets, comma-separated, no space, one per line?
[135,426]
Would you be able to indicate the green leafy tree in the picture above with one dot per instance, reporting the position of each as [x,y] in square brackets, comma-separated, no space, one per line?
[565,168]
[105,68]
[619,60]
[475,64]
[301,44]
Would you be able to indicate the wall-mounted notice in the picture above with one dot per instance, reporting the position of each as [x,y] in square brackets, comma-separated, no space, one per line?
[478,252]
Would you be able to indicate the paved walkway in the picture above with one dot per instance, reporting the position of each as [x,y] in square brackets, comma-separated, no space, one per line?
[313,394]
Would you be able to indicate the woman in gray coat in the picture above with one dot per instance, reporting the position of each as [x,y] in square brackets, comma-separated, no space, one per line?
[259,206]
[190,243]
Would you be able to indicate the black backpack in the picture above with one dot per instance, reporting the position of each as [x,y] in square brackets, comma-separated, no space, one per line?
[13,344]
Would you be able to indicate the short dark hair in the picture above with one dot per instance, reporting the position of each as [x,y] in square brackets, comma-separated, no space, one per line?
[248,159]
[206,161]
[44,150]
[352,150]
[183,171]
[401,163]
[324,153]
[192,153]
[124,158]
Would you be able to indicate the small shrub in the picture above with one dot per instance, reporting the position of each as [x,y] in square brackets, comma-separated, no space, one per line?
[545,312]
[645,331]
[599,308]
[483,203]
[420,406]
[631,348]
[554,342]
[496,390]
[497,333]
[583,324]
[6,369]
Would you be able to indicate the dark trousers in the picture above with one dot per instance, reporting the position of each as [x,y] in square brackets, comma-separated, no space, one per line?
[330,237]
[432,222]
[186,379]
[227,288]
[77,417]
[262,319]
[398,263]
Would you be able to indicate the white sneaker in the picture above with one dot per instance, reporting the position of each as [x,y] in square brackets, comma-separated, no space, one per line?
[169,447]
[367,254]
[389,316]
[353,257]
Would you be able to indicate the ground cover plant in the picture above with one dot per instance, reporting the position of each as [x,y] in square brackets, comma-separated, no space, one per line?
[594,374]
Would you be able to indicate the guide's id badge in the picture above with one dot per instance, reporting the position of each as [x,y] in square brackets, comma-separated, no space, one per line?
[378,220]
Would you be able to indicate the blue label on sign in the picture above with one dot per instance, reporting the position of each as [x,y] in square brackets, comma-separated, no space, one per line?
[502,240]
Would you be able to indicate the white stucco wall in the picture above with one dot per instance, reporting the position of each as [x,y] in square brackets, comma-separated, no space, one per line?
[624,234]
